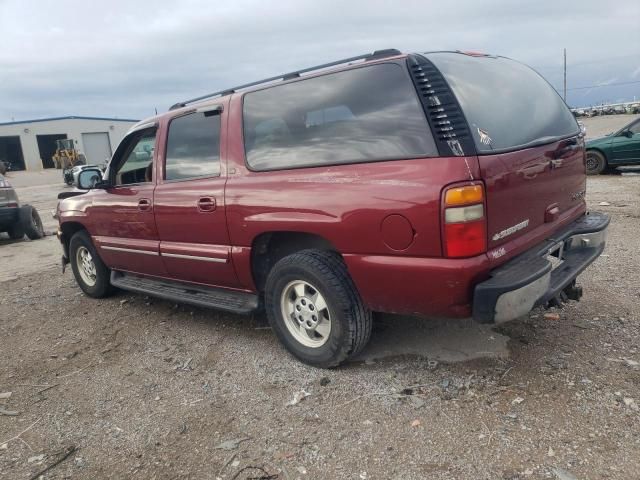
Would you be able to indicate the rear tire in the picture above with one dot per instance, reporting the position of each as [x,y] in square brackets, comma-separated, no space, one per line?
[91,274]
[33,226]
[315,310]
[596,162]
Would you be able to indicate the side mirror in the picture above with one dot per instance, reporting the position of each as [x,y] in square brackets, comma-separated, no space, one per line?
[627,133]
[89,178]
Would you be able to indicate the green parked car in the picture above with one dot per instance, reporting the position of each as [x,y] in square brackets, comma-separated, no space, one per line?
[615,149]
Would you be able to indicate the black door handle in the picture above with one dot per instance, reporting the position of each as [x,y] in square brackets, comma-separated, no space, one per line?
[144,204]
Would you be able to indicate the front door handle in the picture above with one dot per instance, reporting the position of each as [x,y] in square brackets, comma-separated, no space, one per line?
[206,204]
[144,204]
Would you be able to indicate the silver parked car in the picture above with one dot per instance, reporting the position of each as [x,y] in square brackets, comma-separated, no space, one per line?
[15,219]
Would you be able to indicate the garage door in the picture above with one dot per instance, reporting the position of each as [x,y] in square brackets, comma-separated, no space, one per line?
[47,147]
[97,147]
[11,153]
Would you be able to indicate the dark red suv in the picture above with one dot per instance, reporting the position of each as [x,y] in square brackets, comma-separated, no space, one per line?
[445,183]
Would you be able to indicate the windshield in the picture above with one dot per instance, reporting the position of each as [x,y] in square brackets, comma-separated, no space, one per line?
[508,105]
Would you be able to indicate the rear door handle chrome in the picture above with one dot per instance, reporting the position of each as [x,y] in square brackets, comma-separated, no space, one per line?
[557,163]
[206,204]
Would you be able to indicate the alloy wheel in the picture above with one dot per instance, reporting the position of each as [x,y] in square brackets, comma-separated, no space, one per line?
[86,266]
[306,313]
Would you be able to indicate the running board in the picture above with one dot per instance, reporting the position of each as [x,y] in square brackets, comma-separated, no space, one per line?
[209,297]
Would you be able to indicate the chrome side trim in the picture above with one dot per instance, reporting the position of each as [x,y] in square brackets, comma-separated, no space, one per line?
[129,250]
[194,257]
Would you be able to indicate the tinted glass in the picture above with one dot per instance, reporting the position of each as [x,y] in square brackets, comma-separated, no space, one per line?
[507,104]
[369,113]
[138,166]
[635,128]
[193,147]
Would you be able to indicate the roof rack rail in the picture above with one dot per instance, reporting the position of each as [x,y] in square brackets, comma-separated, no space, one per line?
[389,52]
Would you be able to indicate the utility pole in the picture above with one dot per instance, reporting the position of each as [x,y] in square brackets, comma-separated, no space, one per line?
[565,76]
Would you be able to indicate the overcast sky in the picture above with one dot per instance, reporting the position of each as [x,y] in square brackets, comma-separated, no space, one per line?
[126,58]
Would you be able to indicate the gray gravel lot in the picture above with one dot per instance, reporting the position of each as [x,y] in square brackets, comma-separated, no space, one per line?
[144,388]
[600,126]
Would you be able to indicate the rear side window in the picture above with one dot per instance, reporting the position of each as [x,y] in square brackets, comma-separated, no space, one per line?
[193,147]
[359,115]
[507,104]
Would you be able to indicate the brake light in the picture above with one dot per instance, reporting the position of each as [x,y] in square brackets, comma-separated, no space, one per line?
[465,222]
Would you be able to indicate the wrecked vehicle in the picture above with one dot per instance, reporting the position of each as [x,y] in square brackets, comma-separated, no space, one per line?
[15,219]
[387,182]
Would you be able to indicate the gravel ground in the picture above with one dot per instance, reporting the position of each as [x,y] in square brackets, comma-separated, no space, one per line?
[600,126]
[140,388]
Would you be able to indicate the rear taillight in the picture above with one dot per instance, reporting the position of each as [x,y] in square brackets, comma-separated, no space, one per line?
[465,222]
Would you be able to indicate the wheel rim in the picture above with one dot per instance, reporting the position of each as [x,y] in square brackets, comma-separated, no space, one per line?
[86,266]
[592,162]
[35,220]
[306,313]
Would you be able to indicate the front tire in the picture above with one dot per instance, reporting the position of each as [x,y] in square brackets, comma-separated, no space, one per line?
[33,226]
[91,274]
[596,162]
[315,310]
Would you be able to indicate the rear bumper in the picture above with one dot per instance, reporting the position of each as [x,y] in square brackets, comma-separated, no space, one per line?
[530,279]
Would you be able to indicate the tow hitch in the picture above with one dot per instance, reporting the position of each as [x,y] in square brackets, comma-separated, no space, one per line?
[570,292]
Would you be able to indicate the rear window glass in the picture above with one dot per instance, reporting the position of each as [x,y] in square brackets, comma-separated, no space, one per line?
[365,114]
[507,104]
[193,147]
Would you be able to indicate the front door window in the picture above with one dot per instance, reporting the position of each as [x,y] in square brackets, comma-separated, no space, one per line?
[137,167]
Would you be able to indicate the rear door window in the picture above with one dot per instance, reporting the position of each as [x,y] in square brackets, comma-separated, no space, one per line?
[365,114]
[508,105]
[193,146]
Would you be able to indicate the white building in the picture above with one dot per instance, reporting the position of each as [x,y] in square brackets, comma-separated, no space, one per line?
[30,144]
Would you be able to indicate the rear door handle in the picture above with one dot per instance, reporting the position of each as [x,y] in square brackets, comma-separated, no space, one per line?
[570,146]
[206,204]
[144,204]
[563,151]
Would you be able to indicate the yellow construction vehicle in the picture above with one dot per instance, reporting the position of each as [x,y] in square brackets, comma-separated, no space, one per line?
[67,157]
